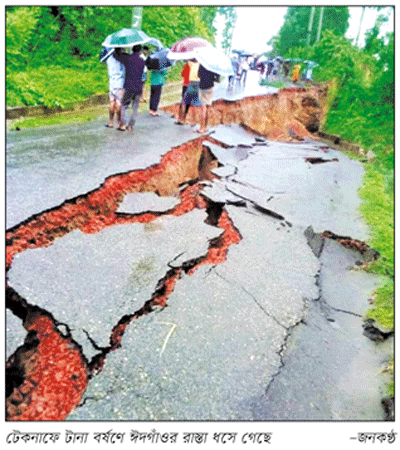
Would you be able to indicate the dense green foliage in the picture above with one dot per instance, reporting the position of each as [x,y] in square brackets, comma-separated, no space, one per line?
[170,23]
[294,32]
[230,16]
[363,112]
[54,86]
[52,51]
[363,107]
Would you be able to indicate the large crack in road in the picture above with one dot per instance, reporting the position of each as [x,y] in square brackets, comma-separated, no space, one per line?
[91,213]
[220,280]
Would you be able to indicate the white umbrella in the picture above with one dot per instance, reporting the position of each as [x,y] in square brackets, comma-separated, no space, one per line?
[214,60]
[109,52]
[126,37]
[184,49]
[156,42]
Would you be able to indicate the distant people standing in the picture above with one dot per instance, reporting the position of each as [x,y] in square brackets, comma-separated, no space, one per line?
[116,74]
[276,68]
[235,68]
[296,73]
[286,68]
[260,66]
[206,87]
[244,67]
[185,73]
[157,81]
[270,66]
[133,86]
[309,69]
[191,97]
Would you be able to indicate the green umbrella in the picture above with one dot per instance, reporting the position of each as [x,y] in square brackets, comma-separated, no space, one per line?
[127,37]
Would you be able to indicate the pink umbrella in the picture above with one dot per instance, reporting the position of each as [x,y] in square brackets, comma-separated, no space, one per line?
[184,49]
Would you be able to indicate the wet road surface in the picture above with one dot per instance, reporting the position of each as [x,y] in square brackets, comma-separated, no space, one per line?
[267,331]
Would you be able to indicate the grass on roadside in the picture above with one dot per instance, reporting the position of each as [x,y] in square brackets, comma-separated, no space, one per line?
[390,370]
[372,127]
[274,83]
[56,119]
[377,209]
[171,94]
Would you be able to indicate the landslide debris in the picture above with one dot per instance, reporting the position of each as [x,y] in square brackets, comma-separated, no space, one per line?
[290,114]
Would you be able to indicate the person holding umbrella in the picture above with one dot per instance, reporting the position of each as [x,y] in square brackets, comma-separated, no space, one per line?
[157,64]
[191,97]
[213,62]
[116,74]
[185,73]
[157,81]
[207,80]
[133,85]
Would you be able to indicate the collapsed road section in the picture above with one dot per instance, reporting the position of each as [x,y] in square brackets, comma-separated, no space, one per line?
[181,291]
[32,396]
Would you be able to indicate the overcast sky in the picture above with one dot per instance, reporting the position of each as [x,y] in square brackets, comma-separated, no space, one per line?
[256,25]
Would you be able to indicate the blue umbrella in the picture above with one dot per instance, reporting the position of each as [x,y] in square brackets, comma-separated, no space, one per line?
[158,60]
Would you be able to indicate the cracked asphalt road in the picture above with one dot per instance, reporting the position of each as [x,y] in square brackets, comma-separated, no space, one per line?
[264,335]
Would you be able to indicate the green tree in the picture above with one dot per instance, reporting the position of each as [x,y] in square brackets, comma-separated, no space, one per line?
[172,23]
[58,33]
[20,24]
[50,50]
[208,14]
[384,84]
[293,32]
[374,44]
[230,15]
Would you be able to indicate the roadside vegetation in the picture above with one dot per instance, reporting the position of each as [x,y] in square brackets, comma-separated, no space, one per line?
[52,52]
[51,61]
[362,111]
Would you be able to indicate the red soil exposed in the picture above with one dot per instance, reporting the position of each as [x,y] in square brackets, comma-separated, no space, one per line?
[96,210]
[49,374]
[54,373]
[363,248]
[292,113]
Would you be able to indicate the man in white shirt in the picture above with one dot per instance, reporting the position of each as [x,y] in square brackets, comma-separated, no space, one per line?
[116,74]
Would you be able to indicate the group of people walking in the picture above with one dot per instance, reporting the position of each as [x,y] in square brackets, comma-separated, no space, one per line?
[279,68]
[197,91]
[127,74]
[240,66]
